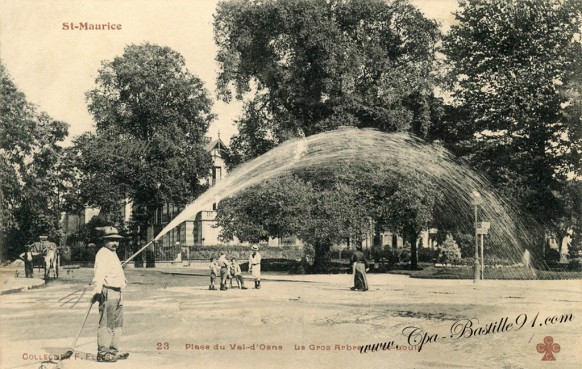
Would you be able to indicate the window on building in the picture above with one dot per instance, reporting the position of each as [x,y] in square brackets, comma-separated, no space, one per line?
[216,174]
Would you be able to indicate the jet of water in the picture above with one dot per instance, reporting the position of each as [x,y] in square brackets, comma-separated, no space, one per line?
[401,153]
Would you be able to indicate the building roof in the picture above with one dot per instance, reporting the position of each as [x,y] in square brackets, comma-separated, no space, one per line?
[212,144]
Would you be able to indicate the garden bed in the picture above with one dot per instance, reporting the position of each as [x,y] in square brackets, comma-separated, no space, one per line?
[507,273]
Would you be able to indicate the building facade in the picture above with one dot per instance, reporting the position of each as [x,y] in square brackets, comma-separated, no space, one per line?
[199,230]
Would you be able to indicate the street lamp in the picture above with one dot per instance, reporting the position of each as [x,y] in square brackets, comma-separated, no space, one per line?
[476,201]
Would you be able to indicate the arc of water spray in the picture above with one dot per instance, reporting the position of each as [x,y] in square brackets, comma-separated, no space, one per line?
[399,152]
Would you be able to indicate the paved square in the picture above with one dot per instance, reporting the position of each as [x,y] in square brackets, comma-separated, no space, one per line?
[315,321]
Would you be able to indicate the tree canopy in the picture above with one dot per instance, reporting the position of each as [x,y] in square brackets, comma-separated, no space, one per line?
[151,116]
[30,182]
[331,207]
[410,208]
[514,72]
[148,93]
[276,208]
[293,206]
[311,66]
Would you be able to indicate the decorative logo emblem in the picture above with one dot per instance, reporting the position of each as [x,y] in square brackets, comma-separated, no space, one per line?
[548,348]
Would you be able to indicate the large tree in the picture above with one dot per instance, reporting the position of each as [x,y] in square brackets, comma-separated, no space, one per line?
[293,206]
[30,185]
[515,73]
[310,66]
[277,208]
[337,215]
[151,116]
[411,207]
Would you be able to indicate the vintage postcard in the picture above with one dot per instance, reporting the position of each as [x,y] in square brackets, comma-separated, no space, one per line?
[178,311]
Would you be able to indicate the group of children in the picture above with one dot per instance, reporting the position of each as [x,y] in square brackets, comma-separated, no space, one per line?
[231,271]
[227,271]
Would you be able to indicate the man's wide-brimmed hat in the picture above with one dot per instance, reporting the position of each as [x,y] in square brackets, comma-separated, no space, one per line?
[255,248]
[110,233]
[43,237]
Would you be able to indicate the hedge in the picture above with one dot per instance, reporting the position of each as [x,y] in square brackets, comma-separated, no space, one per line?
[243,252]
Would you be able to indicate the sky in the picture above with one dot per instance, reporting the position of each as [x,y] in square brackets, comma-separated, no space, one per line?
[55,67]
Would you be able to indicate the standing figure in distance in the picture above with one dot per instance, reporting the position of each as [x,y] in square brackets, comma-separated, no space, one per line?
[27,257]
[566,244]
[224,270]
[213,272]
[359,265]
[255,265]
[109,281]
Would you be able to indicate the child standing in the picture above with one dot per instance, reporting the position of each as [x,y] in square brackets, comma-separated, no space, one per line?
[213,272]
[237,274]
[255,265]
[224,266]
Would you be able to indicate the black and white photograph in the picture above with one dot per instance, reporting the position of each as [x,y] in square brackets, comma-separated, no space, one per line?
[290,184]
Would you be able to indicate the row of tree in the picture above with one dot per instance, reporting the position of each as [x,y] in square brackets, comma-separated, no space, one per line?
[501,89]
[31,188]
[148,148]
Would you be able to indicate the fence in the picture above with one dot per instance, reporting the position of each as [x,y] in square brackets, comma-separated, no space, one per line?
[198,252]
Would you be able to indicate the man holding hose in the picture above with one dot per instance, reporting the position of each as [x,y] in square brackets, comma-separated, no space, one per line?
[109,280]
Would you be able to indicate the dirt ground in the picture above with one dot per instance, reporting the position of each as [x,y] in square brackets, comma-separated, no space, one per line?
[173,320]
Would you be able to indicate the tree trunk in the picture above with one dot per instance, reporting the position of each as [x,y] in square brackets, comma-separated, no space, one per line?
[377,243]
[322,260]
[413,251]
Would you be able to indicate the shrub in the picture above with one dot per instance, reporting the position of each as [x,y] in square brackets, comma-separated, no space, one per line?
[403,255]
[385,253]
[552,255]
[496,261]
[466,243]
[241,252]
[308,252]
[426,255]
[449,253]
[575,265]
